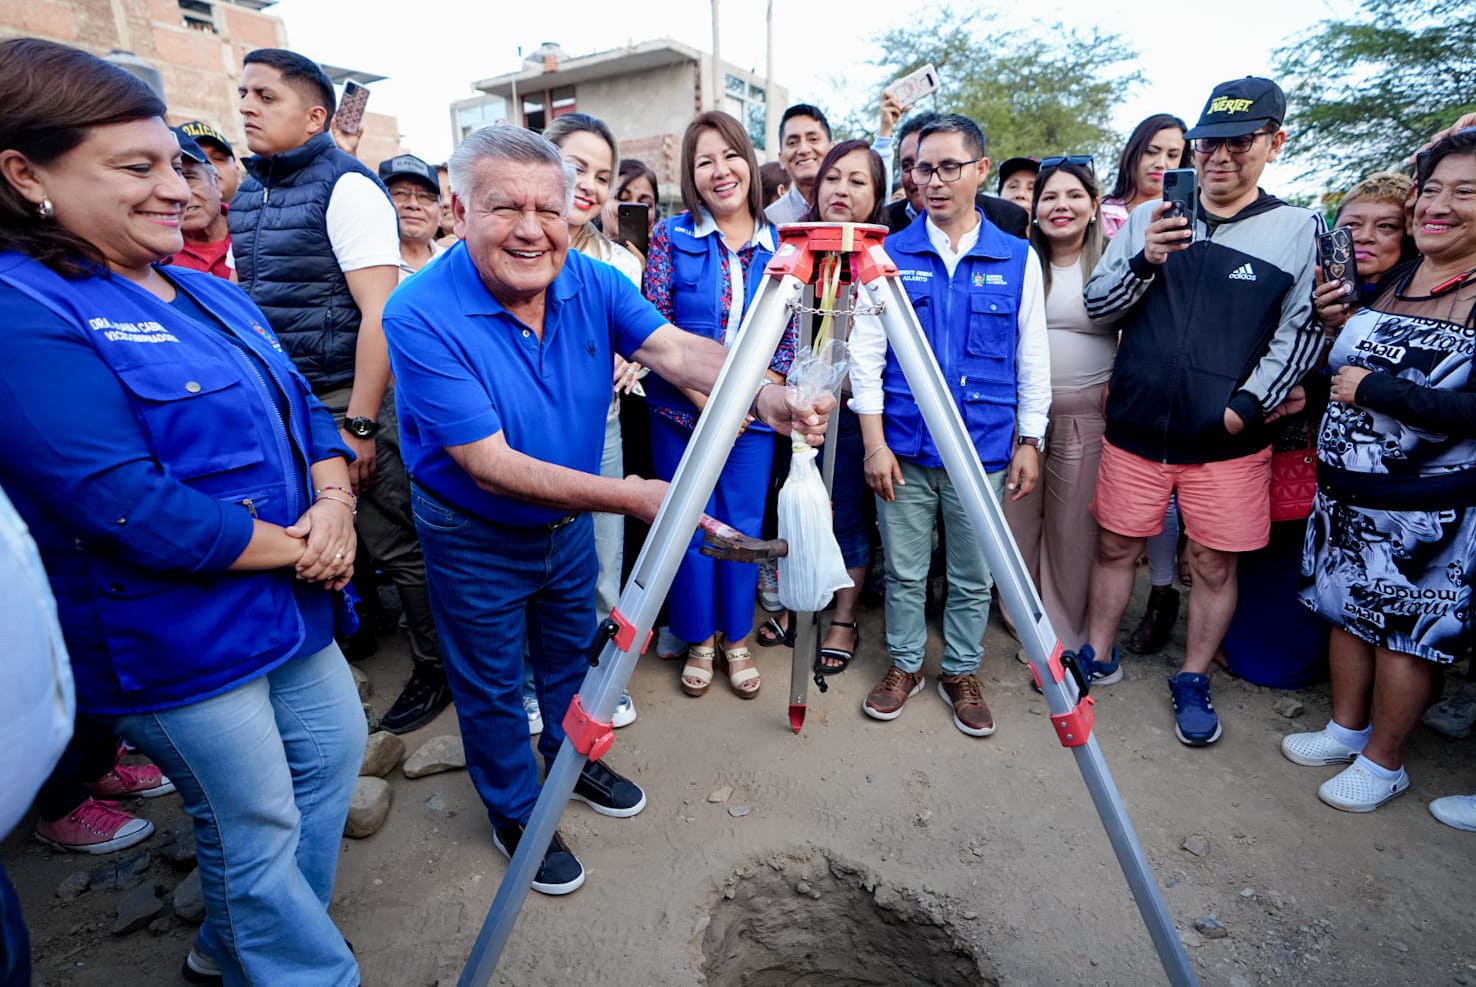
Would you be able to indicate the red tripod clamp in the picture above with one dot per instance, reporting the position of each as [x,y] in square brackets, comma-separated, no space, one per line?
[1075,727]
[625,633]
[590,737]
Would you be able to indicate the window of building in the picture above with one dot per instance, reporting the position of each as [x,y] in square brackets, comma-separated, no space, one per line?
[562,101]
[533,116]
[197,14]
[749,104]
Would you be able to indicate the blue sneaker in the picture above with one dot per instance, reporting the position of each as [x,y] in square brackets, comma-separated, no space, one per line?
[1195,720]
[1102,672]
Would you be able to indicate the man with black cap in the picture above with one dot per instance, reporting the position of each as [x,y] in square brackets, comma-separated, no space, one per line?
[415,189]
[1217,331]
[219,151]
[207,237]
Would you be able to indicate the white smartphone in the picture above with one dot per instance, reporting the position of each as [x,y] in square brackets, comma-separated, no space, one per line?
[914,86]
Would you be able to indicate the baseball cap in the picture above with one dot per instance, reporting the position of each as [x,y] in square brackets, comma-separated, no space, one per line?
[201,131]
[188,147]
[409,166]
[1240,106]
[1012,165]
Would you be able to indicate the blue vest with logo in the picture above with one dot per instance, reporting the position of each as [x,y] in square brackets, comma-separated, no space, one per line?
[697,296]
[142,638]
[972,324]
[279,235]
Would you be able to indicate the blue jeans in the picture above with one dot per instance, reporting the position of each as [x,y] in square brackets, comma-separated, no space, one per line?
[266,772]
[15,944]
[852,522]
[490,586]
[907,537]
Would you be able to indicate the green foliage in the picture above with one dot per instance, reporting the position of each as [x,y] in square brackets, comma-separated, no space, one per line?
[1364,93]
[1051,89]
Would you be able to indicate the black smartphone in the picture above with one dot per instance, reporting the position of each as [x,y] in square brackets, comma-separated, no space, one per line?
[1335,254]
[350,115]
[1181,190]
[635,225]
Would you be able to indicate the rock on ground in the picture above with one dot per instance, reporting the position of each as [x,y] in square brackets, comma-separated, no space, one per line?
[438,754]
[382,754]
[362,681]
[137,909]
[188,901]
[368,808]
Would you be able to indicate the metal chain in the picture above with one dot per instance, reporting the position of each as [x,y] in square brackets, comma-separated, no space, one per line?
[799,309]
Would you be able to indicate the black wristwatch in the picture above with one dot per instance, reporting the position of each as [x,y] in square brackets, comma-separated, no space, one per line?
[363,428]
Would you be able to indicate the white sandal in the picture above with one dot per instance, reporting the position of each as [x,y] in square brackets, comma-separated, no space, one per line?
[745,681]
[695,678]
[1355,789]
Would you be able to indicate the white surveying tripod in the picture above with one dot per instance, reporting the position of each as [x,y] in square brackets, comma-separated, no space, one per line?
[625,634]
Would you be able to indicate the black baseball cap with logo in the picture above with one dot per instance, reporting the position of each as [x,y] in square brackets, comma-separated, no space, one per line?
[1240,106]
[199,130]
[188,147]
[409,166]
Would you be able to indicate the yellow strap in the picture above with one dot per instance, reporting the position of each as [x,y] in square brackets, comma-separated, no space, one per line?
[830,278]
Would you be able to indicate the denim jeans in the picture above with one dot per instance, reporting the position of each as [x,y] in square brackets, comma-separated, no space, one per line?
[852,522]
[15,944]
[907,537]
[491,585]
[266,771]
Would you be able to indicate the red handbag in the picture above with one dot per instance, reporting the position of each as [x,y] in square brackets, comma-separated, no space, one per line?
[1293,483]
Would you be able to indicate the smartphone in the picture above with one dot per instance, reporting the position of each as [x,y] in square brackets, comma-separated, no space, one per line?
[914,86]
[1181,190]
[350,115]
[635,225]
[1335,254]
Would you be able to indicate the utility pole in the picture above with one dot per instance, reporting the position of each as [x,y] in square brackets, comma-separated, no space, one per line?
[770,152]
[515,112]
[717,62]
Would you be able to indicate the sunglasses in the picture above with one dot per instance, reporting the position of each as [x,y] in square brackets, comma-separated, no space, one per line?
[1080,160]
[1422,158]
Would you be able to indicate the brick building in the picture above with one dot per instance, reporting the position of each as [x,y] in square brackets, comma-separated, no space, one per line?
[646,92]
[195,45]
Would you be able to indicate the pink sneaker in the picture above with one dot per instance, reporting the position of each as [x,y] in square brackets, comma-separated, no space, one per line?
[95,827]
[132,779]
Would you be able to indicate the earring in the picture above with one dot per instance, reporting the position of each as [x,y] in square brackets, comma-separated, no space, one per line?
[45,210]
[1091,220]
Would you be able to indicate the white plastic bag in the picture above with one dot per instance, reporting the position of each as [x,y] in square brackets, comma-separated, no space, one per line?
[814,568]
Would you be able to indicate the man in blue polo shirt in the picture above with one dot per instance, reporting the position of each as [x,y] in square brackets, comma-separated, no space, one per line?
[502,352]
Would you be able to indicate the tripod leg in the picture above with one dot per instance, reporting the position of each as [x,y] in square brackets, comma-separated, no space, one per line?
[946,426]
[588,721]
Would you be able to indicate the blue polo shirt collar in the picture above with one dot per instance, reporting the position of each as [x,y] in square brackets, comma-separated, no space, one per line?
[473,295]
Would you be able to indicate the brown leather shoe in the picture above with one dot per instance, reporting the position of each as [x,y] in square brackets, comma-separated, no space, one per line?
[885,701]
[1157,624]
[970,711]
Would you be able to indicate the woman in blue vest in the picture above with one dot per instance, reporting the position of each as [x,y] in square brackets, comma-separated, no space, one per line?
[703,269]
[190,500]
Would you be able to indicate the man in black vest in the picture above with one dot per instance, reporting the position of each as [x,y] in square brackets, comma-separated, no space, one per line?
[1006,215]
[317,248]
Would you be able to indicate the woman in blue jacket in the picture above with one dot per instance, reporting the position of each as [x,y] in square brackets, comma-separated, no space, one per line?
[190,500]
[703,269]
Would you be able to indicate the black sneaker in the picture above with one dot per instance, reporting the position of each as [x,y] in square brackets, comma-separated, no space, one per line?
[423,697]
[608,793]
[198,968]
[560,873]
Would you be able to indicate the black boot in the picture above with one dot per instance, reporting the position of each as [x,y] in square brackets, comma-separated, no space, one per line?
[1158,621]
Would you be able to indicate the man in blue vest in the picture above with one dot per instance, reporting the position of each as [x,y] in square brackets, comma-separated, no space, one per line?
[317,248]
[979,296]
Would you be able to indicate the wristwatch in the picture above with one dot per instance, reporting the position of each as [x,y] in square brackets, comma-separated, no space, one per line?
[1030,440]
[363,428]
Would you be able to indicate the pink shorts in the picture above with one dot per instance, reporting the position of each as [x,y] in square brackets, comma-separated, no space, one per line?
[1226,505]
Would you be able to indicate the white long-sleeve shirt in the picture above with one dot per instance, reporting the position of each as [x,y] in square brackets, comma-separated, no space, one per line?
[1032,351]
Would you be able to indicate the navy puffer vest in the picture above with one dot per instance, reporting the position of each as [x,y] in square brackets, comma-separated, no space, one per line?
[285,262]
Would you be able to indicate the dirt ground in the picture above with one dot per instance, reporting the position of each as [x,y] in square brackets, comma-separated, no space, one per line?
[861,852]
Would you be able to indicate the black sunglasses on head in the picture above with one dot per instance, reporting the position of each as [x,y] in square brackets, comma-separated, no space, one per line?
[1080,160]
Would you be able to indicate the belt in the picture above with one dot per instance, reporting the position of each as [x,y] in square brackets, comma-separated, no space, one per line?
[566,519]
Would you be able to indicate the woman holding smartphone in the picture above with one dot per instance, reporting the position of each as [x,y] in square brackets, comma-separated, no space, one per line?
[703,270]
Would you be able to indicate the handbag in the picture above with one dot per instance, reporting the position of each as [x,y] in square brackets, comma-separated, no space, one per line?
[1293,482]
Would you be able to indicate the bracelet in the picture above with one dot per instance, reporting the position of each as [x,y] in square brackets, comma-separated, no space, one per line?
[337,500]
[753,408]
[873,452]
[345,490]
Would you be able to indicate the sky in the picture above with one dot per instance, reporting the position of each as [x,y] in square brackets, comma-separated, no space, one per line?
[432,51]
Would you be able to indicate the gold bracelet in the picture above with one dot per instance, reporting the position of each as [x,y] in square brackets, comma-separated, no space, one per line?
[338,500]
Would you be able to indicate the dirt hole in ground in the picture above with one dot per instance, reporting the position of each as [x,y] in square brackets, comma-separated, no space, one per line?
[807,918]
